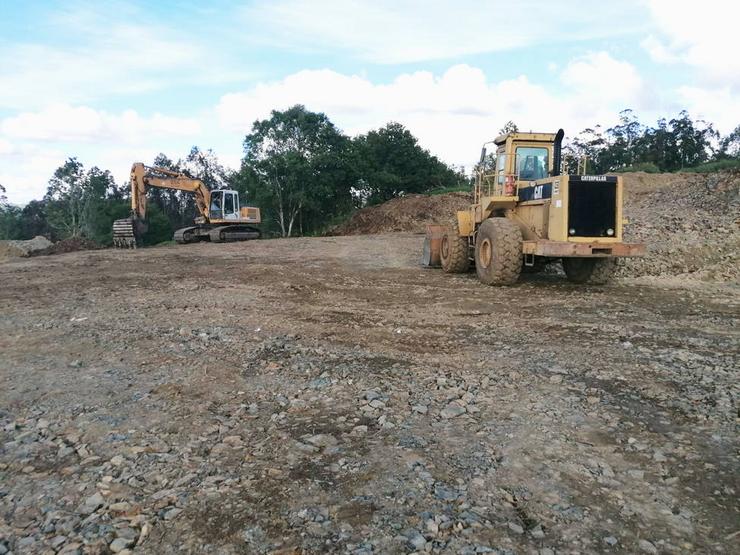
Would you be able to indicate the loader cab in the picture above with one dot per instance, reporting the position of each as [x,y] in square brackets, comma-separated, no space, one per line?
[224,205]
[524,156]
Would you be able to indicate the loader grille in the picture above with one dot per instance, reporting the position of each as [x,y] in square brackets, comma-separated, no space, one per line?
[592,206]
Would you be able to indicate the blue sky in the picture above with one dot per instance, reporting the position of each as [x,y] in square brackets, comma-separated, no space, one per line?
[117,82]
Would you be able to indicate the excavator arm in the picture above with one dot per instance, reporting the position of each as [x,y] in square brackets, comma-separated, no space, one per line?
[143,177]
[127,230]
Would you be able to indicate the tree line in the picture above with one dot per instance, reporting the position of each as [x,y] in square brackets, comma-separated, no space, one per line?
[671,145]
[305,174]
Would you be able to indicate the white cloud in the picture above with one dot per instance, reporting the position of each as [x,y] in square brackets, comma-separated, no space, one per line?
[452,113]
[391,31]
[25,171]
[719,106]
[34,144]
[92,53]
[61,122]
[701,35]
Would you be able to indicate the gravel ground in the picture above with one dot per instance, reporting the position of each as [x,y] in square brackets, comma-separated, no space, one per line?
[330,396]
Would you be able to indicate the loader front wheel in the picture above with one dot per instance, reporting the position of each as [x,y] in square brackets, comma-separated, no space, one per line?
[453,251]
[498,252]
[593,271]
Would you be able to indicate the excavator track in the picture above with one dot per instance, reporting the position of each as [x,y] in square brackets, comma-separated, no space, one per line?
[230,233]
[124,236]
[187,235]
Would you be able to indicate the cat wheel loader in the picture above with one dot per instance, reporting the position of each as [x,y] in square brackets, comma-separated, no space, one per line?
[220,216]
[526,213]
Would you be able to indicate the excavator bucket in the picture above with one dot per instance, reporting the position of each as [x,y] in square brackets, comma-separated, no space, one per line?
[432,241]
[124,233]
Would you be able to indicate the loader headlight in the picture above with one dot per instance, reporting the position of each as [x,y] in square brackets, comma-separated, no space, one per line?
[572,231]
[610,232]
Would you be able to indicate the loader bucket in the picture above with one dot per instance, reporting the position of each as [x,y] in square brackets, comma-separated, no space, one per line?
[432,242]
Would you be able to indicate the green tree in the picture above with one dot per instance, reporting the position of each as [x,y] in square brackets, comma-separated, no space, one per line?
[65,199]
[391,163]
[79,203]
[730,145]
[509,127]
[9,218]
[297,164]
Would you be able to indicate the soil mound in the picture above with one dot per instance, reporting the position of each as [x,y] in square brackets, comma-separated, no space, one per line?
[410,213]
[69,245]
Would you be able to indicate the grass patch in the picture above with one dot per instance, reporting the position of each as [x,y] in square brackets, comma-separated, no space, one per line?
[729,164]
[446,190]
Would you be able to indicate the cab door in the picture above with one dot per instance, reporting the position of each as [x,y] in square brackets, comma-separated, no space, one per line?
[231,205]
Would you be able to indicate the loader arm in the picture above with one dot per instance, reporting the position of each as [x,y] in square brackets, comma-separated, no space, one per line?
[143,177]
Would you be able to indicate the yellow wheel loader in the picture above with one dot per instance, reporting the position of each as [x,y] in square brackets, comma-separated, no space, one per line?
[526,212]
[220,216]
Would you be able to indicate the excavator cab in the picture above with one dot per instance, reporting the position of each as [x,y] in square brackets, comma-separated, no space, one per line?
[224,205]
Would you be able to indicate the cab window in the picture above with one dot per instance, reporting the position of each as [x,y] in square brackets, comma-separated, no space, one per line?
[500,167]
[531,163]
[228,203]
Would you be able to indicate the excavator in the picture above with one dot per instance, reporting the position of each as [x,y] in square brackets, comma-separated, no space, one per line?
[220,217]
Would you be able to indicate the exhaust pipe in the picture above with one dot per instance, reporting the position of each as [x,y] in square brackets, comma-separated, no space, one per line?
[557,152]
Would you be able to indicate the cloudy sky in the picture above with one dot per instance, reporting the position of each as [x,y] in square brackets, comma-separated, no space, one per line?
[117,82]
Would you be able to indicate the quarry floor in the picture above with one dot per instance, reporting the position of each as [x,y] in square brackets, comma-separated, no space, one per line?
[329,395]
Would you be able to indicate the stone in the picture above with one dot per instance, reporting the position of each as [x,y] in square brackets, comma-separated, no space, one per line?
[516,528]
[371,395]
[610,540]
[119,544]
[92,503]
[451,411]
[647,547]
[421,409]
[415,540]
[322,440]
[537,532]
[172,513]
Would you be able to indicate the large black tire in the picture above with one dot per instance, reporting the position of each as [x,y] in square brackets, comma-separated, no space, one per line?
[453,251]
[593,271]
[498,252]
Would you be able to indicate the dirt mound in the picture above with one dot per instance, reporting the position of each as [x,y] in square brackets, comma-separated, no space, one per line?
[14,249]
[690,223]
[72,244]
[411,213]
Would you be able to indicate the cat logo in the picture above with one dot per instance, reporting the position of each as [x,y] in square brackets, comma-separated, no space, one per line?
[538,192]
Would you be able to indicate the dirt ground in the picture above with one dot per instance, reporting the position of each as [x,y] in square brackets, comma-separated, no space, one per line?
[328,395]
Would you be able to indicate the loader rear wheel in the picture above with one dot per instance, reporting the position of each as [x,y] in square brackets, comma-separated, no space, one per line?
[453,251]
[498,252]
[593,271]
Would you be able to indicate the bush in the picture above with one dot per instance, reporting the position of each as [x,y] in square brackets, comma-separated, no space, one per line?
[159,229]
[647,167]
[727,164]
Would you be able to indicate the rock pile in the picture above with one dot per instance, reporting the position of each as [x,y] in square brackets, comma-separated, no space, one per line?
[15,249]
